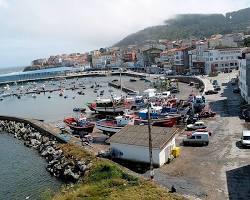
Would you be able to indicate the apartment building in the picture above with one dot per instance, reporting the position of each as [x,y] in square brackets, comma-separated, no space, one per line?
[244,76]
[221,60]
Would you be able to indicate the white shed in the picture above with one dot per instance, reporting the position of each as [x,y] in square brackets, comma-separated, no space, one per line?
[131,143]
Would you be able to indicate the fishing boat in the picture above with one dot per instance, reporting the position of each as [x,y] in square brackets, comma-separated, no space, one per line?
[79,124]
[79,109]
[162,121]
[61,93]
[164,116]
[198,103]
[80,93]
[112,106]
[112,126]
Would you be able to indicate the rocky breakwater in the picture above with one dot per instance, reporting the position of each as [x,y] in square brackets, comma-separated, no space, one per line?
[67,168]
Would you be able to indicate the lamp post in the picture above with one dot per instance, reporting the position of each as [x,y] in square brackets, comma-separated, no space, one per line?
[150,143]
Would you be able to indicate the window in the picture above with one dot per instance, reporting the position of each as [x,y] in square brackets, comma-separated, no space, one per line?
[198,137]
[211,59]
[193,137]
[221,58]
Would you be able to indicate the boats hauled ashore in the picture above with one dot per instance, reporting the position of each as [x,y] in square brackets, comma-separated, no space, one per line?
[80,124]
[112,126]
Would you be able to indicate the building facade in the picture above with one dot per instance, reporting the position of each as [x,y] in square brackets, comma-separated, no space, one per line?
[221,60]
[244,77]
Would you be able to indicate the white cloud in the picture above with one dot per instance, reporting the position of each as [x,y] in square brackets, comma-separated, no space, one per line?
[3,4]
[49,26]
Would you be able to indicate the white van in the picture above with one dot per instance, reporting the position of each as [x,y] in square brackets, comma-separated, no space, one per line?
[245,139]
[197,138]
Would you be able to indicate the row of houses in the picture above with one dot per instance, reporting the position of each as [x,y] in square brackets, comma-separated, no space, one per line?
[209,56]
[190,56]
[63,60]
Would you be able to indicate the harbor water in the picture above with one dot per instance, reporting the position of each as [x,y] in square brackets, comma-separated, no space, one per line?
[51,107]
[23,172]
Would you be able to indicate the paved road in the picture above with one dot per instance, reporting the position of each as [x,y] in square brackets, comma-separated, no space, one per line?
[222,169]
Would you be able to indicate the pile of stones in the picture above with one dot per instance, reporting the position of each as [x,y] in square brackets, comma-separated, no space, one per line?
[60,166]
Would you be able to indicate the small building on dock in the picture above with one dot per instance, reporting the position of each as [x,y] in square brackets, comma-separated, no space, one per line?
[132,144]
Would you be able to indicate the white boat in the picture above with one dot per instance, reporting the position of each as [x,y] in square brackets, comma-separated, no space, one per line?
[113,126]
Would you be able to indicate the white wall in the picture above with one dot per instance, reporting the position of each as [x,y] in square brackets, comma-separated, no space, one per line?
[141,153]
[166,152]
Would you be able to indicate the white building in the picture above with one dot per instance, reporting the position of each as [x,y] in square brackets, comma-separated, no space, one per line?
[221,59]
[244,77]
[131,143]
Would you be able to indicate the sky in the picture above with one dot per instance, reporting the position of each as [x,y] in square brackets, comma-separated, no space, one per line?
[31,29]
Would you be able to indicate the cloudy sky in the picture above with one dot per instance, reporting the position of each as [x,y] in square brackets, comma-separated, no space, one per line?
[31,29]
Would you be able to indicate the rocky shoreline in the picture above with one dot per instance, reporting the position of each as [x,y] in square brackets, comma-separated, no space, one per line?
[68,169]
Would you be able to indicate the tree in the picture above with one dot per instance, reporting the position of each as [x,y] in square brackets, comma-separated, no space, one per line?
[247,42]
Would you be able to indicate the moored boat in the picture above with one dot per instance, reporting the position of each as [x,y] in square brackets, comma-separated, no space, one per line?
[112,106]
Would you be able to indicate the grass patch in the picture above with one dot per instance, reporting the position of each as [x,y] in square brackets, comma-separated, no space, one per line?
[109,181]
[74,151]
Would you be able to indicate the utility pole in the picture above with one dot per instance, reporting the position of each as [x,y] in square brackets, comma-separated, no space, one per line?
[150,142]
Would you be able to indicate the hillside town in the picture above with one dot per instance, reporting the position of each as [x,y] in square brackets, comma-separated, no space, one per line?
[219,53]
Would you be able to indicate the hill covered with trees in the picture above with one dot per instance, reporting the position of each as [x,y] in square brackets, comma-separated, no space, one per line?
[193,25]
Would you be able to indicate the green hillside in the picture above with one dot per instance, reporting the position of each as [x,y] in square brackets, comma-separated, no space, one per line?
[192,25]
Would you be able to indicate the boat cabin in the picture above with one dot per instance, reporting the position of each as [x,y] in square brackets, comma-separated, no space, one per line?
[124,120]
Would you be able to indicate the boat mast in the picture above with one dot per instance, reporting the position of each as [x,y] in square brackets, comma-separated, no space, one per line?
[150,142]
[121,80]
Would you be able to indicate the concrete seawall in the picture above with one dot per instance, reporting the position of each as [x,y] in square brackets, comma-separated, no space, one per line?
[42,127]
[124,89]
[78,75]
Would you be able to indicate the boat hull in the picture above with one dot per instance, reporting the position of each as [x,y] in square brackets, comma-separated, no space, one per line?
[164,122]
[108,129]
[107,110]
[87,128]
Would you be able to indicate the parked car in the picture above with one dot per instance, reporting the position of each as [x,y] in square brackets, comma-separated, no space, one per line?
[217,88]
[211,92]
[233,81]
[215,82]
[205,130]
[245,139]
[191,84]
[196,125]
[245,114]
[175,90]
[197,138]
[236,90]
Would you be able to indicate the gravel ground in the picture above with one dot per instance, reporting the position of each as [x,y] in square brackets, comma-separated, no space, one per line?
[141,85]
[220,170]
